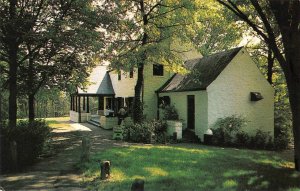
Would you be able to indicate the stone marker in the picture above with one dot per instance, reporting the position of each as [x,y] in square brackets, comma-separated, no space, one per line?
[138,185]
[105,169]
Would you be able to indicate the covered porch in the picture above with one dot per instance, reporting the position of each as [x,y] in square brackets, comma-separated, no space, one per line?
[91,103]
[86,107]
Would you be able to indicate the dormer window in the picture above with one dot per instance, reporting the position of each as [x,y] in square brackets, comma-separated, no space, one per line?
[158,70]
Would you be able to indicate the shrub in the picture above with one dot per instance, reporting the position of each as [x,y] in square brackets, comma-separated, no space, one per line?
[261,140]
[242,139]
[31,138]
[282,132]
[145,132]
[282,125]
[170,113]
[227,129]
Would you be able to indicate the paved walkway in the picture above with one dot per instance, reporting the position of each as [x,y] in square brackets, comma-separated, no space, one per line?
[58,172]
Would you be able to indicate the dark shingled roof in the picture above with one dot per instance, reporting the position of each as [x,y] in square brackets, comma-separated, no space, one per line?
[203,72]
[100,83]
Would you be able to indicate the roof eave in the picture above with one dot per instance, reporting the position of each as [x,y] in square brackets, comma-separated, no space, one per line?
[187,90]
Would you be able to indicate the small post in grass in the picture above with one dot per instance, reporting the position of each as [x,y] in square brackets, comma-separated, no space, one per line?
[138,185]
[86,148]
[105,169]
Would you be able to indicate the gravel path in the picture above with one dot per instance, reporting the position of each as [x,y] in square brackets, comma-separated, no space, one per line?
[58,172]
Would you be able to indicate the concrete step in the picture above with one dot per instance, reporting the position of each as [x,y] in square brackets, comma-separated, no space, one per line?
[94,122]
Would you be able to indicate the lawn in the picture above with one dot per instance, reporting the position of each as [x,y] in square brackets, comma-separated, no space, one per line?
[192,167]
[59,124]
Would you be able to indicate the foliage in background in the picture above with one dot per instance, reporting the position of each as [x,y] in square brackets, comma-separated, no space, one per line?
[48,103]
[31,138]
[146,132]
[170,113]
[46,44]
[217,29]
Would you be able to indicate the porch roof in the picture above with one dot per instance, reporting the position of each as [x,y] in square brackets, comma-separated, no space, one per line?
[99,83]
[203,71]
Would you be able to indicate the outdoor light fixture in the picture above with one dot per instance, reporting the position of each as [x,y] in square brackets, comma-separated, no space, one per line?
[256,96]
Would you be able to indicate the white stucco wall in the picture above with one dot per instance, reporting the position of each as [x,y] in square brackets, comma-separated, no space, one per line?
[125,86]
[179,100]
[151,84]
[229,94]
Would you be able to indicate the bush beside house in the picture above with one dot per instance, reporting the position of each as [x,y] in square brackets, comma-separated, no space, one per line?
[228,132]
[146,132]
[30,138]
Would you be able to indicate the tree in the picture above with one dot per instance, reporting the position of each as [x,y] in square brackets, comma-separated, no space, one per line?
[42,38]
[286,14]
[143,32]
[217,29]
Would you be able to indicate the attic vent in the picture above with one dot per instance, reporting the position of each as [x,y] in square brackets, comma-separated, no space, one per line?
[256,96]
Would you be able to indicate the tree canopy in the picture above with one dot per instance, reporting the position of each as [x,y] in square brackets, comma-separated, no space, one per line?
[46,43]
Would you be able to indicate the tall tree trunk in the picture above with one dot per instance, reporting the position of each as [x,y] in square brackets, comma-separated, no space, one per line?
[30,85]
[31,114]
[294,97]
[138,105]
[13,65]
[270,65]
[1,114]
[12,110]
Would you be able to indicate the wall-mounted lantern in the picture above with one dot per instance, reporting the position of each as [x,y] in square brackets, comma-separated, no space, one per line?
[256,96]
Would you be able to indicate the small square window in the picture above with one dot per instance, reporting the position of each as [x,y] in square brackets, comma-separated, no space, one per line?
[158,70]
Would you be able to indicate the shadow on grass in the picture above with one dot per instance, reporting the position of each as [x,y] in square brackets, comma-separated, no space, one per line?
[202,168]
[56,168]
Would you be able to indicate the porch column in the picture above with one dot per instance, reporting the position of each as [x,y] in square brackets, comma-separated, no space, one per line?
[71,103]
[76,103]
[87,104]
[79,110]
[99,103]
[83,104]
[113,104]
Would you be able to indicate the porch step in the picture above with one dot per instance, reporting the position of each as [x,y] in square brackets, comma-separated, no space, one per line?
[94,122]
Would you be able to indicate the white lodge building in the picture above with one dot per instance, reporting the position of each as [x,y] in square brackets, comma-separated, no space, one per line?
[220,85]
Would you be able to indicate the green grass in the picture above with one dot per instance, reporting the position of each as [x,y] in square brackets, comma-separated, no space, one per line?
[192,167]
[59,123]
